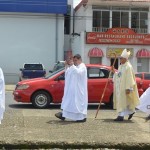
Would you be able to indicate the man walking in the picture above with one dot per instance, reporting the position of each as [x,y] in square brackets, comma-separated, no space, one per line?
[125,89]
[75,99]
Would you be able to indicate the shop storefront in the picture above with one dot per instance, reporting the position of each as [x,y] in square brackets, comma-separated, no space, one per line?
[114,40]
[95,55]
[110,27]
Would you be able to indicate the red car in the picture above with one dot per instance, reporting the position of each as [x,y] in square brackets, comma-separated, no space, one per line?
[43,91]
[145,76]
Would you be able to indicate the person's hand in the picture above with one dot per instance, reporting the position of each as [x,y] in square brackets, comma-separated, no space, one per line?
[127,91]
[65,62]
[71,63]
[113,69]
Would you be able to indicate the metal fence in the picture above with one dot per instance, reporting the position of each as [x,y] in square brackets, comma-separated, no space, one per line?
[137,30]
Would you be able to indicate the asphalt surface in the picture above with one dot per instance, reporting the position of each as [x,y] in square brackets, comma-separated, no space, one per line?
[25,129]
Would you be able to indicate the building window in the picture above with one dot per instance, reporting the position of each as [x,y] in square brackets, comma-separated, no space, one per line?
[115,19]
[95,60]
[120,19]
[134,19]
[124,19]
[143,65]
[100,19]
[96,18]
[105,20]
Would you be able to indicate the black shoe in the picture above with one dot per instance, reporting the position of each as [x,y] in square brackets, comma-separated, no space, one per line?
[119,118]
[130,116]
[59,115]
[147,118]
[84,120]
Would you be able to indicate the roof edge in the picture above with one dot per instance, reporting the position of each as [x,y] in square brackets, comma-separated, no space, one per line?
[82,3]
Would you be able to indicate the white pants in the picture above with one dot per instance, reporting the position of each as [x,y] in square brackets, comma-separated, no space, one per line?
[125,113]
[73,116]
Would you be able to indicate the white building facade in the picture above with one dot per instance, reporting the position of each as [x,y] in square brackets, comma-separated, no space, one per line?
[30,32]
[105,27]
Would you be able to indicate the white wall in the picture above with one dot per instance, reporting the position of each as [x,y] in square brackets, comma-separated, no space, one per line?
[29,39]
[80,20]
[89,18]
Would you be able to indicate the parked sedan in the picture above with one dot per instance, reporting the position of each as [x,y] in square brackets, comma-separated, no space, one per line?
[43,91]
[145,76]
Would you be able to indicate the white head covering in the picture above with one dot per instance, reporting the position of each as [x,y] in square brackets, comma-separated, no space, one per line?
[125,54]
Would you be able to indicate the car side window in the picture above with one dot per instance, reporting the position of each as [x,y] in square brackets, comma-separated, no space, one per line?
[138,75]
[95,73]
[61,77]
[147,76]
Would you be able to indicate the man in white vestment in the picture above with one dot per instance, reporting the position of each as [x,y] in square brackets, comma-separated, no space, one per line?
[145,103]
[75,99]
[125,95]
[2,95]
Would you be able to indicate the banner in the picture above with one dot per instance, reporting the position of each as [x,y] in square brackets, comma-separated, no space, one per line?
[122,36]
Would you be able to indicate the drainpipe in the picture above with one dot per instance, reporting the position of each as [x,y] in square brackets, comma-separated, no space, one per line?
[73,22]
[56,54]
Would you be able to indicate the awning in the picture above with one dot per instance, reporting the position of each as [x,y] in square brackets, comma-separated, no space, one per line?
[95,52]
[143,53]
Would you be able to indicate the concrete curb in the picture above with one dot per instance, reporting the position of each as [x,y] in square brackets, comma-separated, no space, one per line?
[9,87]
[77,145]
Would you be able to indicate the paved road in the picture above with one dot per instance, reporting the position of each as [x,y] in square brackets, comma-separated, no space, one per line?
[26,127]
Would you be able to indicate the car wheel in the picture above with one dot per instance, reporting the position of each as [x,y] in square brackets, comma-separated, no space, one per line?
[41,99]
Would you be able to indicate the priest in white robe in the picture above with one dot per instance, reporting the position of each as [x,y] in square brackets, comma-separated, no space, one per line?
[125,96]
[144,105]
[75,99]
[2,95]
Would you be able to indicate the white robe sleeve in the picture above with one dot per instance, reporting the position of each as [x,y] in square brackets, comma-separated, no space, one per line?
[2,94]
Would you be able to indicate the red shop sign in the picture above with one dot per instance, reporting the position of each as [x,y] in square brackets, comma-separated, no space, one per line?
[118,36]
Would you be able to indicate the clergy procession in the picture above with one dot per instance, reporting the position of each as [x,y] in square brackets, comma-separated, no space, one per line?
[75,99]
[126,98]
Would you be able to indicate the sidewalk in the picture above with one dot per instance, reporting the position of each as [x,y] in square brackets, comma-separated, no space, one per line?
[39,129]
[9,87]
[24,127]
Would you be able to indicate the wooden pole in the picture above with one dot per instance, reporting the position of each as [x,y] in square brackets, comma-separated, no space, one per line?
[105,85]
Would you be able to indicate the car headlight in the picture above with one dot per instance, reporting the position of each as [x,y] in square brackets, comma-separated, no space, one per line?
[22,87]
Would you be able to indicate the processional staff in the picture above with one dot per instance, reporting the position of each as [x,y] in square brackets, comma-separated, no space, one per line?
[106,83]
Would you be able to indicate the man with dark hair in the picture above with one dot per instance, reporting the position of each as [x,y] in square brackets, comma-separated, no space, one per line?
[75,99]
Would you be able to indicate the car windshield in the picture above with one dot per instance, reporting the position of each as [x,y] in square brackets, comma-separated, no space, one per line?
[58,66]
[33,67]
[54,73]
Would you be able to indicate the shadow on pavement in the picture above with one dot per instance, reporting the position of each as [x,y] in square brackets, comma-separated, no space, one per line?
[21,106]
[112,120]
[55,106]
[61,122]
